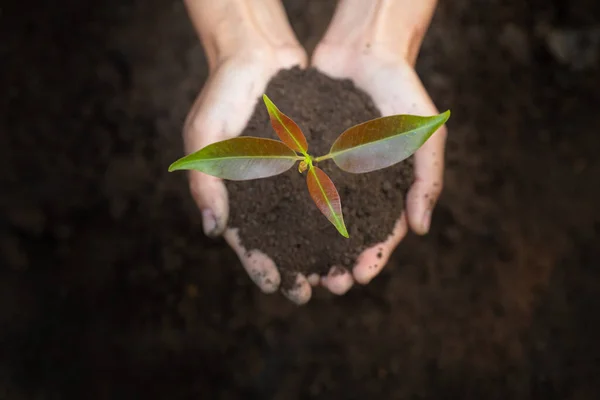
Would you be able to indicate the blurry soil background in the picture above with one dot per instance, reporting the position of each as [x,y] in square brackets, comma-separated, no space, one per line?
[109,290]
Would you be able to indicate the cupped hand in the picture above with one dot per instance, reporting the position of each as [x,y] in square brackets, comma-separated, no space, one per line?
[395,88]
[221,111]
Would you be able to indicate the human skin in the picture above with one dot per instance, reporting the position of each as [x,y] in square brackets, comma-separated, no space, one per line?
[246,43]
[376,44]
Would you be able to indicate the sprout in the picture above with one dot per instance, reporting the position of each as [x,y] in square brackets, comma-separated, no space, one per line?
[366,147]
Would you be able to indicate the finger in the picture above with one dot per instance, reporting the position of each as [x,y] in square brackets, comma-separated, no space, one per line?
[300,292]
[261,269]
[339,280]
[209,192]
[314,279]
[427,186]
[210,196]
[371,261]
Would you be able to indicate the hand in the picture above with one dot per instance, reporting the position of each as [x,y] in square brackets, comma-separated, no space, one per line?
[246,43]
[243,60]
[391,81]
[222,111]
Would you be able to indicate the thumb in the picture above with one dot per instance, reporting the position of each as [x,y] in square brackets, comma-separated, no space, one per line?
[210,196]
[209,192]
[426,189]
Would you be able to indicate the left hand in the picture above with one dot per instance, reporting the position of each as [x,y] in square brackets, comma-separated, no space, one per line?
[395,88]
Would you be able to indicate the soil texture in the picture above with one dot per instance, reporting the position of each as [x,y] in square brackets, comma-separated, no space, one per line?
[277,216]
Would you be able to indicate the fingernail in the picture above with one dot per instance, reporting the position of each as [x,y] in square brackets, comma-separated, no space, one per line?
[426,221]
[209,222]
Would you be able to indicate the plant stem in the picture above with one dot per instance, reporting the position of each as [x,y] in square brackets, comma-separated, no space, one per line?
[323,158]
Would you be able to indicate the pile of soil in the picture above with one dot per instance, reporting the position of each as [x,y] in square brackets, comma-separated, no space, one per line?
[277,216]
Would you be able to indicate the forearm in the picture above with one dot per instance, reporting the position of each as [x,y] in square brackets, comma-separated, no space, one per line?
[229,26]
[387,26]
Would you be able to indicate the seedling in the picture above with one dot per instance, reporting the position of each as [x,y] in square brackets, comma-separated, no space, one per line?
[366,147]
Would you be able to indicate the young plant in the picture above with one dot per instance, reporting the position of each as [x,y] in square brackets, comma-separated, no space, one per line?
[366,147]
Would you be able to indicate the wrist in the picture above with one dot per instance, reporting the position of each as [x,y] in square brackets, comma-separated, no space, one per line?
[389,29]
[230,27]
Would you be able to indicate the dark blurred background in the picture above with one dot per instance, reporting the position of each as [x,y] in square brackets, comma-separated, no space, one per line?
[109,290]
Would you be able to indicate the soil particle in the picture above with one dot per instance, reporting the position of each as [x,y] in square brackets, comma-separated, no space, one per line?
[277,216]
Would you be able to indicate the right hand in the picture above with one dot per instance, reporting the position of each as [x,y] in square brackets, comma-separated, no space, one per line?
[221,111]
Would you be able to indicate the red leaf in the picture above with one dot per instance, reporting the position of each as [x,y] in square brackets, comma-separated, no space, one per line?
[383,142]
[326,197]
[287,130]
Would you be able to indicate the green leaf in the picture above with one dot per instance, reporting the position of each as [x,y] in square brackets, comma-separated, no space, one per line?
[383,142]
[240,158]
[326,197]
[287,130]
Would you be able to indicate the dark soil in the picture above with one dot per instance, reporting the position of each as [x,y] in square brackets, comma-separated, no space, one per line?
[277,215]
[109,289]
